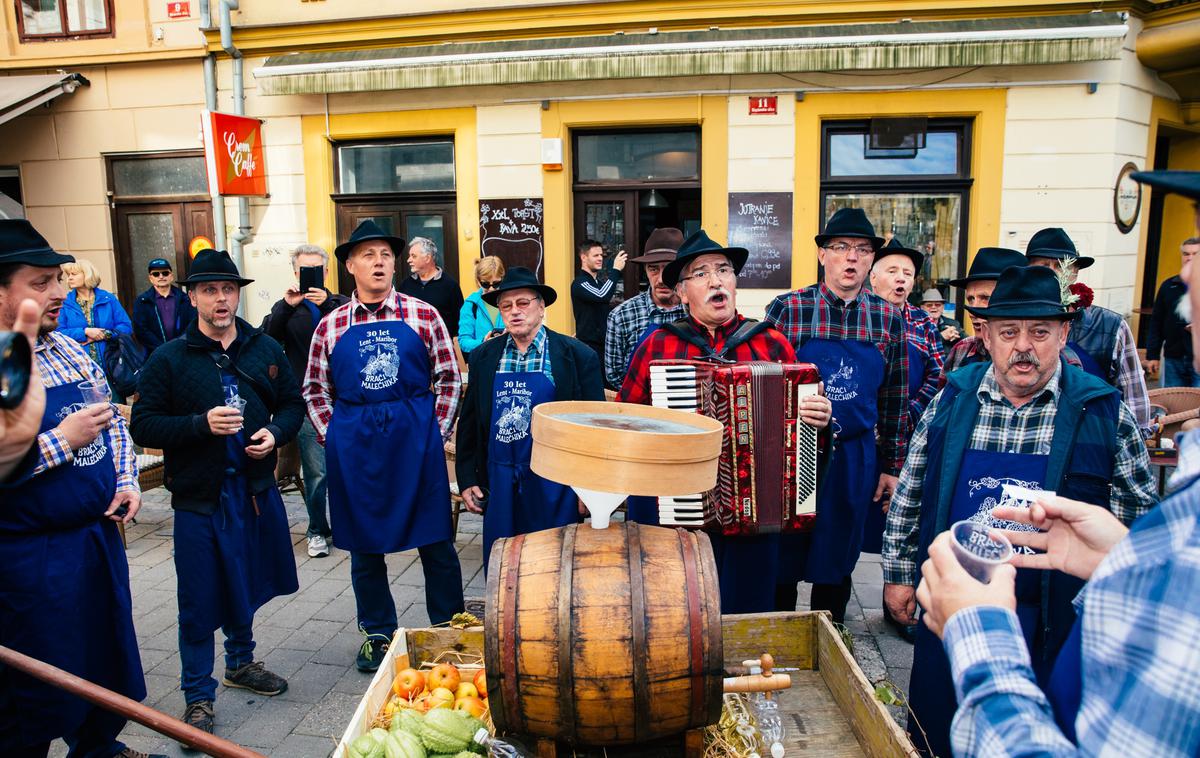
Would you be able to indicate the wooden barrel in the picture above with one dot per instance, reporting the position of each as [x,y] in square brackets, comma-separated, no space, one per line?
[603,636]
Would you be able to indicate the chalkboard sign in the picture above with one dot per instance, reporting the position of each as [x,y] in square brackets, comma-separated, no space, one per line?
[761,222]
[512,231]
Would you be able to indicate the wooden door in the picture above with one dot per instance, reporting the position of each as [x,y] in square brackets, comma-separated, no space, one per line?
[610,218]
[435,220]
[146,231]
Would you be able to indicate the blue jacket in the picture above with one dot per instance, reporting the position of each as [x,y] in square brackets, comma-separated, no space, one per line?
[107,313]
[474,322]
[148,327]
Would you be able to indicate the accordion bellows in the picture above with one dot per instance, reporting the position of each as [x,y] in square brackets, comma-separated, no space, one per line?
[767,472]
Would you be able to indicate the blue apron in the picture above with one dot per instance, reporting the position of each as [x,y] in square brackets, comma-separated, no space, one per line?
[853,373]
[520,501]
[233,561]
[1065,688]
[388,486]
[64,588]
[977,491]
[1086,361]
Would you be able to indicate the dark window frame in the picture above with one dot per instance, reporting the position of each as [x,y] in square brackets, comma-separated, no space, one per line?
[617,184]
[385,141]
[110,180]
[65,35]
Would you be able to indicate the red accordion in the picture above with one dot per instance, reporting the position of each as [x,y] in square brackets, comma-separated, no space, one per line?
[767,475]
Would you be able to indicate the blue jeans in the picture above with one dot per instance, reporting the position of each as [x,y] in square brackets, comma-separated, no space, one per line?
[1179,372]
[196,656]
[312,465]
[373,592]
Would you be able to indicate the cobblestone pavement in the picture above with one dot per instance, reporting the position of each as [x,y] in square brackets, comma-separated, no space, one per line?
[311,637]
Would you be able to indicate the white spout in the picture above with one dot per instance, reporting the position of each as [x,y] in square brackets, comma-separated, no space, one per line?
[600,504]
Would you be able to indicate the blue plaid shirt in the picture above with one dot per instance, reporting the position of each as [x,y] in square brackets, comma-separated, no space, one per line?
[1140,659]
[625,324]
[535,358]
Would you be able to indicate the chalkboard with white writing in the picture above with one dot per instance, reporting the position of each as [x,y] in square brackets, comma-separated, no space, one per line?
[761,222]
[512,231]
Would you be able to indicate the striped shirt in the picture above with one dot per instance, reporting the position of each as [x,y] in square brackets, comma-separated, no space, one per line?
[1139,666]
[922,333]
[815,312]
[60,361]
[319,391]
[536,357]
[625,325]
[1003,428]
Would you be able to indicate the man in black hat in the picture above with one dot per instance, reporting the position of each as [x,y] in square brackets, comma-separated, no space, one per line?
[161,313]
[1025,421]
[704,273]
[934,304]
[370,370]
[531,365]
[1100,338]
[977,287]
[592,292]
[857,340]
[233,550]
[64,579]
[631,321]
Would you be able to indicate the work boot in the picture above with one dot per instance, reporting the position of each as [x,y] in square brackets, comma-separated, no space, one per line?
[255,678]
[371,654]
[131,753]
[200,715]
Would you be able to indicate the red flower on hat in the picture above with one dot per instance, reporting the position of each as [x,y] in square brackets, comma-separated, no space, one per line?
[1084,295]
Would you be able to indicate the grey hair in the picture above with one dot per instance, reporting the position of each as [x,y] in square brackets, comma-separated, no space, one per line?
[307,249]
[429,246]
[1189,242]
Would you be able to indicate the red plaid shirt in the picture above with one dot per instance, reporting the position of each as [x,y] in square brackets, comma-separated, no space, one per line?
[815,312]
[319,391]
[769,345]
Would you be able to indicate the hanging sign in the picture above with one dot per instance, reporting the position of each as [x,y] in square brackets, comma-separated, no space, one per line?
[233,149]
[764,106]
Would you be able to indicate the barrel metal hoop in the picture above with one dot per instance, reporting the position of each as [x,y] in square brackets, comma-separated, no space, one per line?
[696,626]
[566,668]
[637,596]
[510,681]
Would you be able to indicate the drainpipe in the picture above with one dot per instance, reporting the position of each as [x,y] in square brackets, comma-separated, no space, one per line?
[210,101]
[242,234]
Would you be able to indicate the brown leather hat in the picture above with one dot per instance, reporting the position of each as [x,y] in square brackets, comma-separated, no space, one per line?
[661,246]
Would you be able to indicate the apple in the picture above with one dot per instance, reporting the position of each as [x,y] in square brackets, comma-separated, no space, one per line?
[408,683]
[444,675]
[465,689]
[440,697]
[423,703]
[471,705]
[481,683]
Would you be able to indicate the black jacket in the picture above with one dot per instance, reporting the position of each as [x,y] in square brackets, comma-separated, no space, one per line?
[293,327]
[148,327]
[1168,332]
[591,300]
[181,382]
[577,376]
[442,292]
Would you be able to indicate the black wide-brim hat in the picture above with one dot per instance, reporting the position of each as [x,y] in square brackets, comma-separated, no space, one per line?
[661,246]
[1054,243]
[21,243]
[896,247]
[988,264]
[1186,183]
[849,222]
[1026,293]
[521,278]
[697,245]
[214,266]
[367,231]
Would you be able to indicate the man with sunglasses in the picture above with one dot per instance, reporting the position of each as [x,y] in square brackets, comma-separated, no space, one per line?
[161,313]
[857,340]
[509,376]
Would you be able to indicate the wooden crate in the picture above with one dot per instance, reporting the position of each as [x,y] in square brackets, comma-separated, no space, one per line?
[830,709]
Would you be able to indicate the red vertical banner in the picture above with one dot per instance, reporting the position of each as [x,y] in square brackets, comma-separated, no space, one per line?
[233,148]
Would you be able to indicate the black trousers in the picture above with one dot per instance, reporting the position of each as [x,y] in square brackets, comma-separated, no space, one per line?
[825,597]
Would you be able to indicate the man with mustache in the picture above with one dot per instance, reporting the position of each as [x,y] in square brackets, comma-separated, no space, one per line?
[219,401]
[633,320]
[1028,419]
[704,274]
[64,579]
[857,340]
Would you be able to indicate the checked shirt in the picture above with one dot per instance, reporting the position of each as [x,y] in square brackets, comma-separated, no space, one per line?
[536,357]
[625,324]
[319,392]
[815,312]
[924,335]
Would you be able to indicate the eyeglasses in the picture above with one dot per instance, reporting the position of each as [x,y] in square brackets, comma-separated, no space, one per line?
[721,272]
[157,274]
[519,304]
[489,285]
[841,248]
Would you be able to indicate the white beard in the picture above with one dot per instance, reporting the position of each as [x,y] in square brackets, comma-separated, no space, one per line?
[1184,309]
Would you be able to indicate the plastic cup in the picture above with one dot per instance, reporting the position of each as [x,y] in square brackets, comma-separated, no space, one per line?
[237,402]
[95,393]
[978,550]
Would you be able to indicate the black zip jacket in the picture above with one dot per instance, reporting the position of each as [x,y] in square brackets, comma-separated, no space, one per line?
[293,327]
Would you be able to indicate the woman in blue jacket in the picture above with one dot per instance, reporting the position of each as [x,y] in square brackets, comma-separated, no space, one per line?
[90,315]
[477,320]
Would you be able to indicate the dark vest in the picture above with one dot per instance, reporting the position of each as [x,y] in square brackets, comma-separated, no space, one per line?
[1095,331]
[1080,466]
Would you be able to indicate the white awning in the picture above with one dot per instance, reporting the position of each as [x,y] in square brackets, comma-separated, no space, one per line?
[20,94]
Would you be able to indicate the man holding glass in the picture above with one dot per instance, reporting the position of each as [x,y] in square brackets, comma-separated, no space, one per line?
[1026,419]
[218,402]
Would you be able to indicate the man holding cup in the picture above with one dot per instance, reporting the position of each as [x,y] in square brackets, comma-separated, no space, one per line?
[1027,418]
[218,402]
